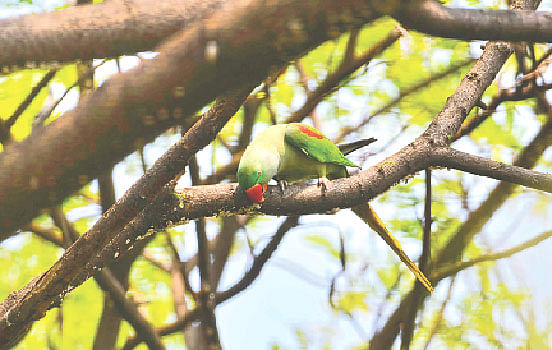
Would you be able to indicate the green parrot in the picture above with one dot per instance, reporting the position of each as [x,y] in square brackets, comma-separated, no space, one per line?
[293,152]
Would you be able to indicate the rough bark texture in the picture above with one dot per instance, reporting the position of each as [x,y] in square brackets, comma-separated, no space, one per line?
[112,28]
[430,17]
[192,69]
[23,307]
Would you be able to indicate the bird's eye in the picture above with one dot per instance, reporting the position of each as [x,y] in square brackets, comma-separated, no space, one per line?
[259,172]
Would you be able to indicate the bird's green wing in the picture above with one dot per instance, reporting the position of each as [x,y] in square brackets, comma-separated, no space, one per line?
[315,145]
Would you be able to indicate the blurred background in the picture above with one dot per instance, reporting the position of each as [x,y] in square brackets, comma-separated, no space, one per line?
[305,297]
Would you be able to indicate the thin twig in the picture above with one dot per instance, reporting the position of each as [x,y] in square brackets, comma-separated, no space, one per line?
[438,321]
[426,250]
[5,125]
[344,70]
[410,321]
[524,88]
[241,285]
[259,261]
[454,268]
[44,115]
[404,93]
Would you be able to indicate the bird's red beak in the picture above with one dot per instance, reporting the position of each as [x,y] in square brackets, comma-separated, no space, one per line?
[255,193]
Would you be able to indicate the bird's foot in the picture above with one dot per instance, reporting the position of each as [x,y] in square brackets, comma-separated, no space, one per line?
[322,183]
[283,185]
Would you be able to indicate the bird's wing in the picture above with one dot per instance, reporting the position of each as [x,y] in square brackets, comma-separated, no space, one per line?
[315,145]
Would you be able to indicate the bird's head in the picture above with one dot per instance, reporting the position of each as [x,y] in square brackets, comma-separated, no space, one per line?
[255,184]
[258,166]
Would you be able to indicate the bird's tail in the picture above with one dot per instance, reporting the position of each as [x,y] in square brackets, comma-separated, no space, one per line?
[347,148]
[366,213]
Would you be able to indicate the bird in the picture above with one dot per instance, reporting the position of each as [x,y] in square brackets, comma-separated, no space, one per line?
[294,152]
[290,153]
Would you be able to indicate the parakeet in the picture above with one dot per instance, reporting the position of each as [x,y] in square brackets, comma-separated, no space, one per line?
[291,152]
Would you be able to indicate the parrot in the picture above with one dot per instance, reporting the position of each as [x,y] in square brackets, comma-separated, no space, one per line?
[294,152]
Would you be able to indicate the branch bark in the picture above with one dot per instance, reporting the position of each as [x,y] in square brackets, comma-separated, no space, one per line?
[138,25]
[430,17]
[23,307]
[135,106]
[112,28]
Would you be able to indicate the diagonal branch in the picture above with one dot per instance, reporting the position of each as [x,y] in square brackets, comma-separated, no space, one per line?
[21,308]
[133,107]
[404,93]
[247,279]
[5,125]
[346,68]
[110,284]
[453,268]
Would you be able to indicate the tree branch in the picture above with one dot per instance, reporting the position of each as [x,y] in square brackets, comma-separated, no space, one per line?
[473,224]
[453,268]
[347,67]
[135,106]
[248,278]
[451,158]
[110,284]
[410,318]
[125,27]
[430,17]
[259,261]
[23,307]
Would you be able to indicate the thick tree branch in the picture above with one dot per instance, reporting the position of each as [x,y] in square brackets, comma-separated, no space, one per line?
[112,28]
[443,128]
[126,27]
[131,108]
[430,17]
[23,307]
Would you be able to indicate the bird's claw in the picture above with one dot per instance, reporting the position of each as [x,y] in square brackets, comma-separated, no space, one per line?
[283,185]
[322,183]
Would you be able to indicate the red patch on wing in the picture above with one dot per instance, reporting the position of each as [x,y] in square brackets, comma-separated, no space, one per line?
[305,130]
